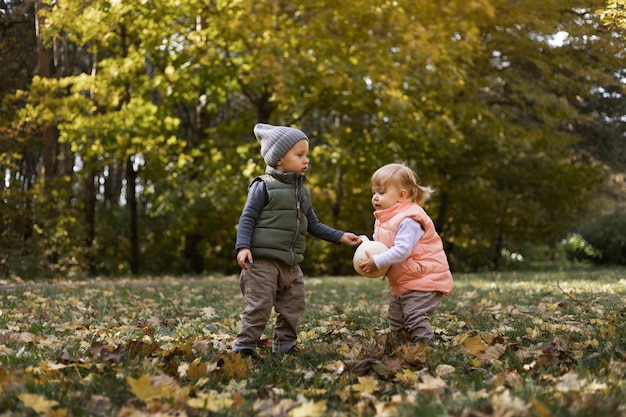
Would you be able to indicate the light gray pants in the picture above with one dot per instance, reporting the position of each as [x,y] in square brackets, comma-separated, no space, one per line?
[271,284]
[411,312]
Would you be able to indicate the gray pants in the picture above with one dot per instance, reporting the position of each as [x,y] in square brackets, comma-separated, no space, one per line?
[410,313]
[271,284]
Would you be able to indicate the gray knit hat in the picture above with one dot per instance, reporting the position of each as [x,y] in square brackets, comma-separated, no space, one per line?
[276,141]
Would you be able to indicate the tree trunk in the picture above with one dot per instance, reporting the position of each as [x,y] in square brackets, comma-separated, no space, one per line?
[43,68]
[192,253]
[440,224]
[90,218]
[131,196]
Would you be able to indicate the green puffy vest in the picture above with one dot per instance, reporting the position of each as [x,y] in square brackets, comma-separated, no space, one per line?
[280,231]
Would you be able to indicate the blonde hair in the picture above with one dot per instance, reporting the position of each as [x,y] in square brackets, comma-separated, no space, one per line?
[401,176]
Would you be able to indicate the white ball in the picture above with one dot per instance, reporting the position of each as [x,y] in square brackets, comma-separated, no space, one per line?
[373,248]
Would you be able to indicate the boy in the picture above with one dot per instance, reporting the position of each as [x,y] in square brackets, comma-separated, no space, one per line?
[271,241]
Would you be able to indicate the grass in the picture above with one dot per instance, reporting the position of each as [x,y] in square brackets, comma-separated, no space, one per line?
[511,344]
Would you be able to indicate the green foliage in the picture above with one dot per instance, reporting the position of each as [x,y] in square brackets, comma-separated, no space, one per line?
[473,96]
[607,234]
[614,14]
[577,248]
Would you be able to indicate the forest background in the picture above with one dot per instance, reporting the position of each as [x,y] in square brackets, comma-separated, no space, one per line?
[126,141]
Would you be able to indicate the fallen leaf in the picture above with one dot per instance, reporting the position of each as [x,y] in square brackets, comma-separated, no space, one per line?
[407,377]
[37,402]
[25,338]
[335,366]
[414,354]
[196,369]
[512,405]
[236,366]
[382,370]
[444,370]
[143,389]
[211,401]
[366,385]
[431,385]
[492,353]
[99,405]
[358,367]
[309,409]
[570,382]
[474,345]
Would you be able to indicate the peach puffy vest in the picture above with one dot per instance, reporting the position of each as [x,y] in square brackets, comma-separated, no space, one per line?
[426,269]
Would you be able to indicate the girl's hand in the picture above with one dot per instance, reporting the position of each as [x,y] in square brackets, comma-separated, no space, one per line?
[368,265]
[350,239]
[244,257]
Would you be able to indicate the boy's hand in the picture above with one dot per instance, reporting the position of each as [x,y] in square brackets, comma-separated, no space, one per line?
[244,257]
[350,239]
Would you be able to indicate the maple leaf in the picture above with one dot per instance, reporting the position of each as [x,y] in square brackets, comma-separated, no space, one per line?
[366,385]
[143,389]
[196,369]
[431,385]
[407,377]
[309,409]
[393,363]
[358,367]
[474,345]
[492,353]
[37,402]
[235,366]
[414,354]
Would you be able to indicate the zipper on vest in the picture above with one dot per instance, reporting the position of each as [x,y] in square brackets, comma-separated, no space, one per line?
[299,215]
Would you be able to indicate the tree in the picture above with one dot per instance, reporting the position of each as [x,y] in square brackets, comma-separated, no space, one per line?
[155,107]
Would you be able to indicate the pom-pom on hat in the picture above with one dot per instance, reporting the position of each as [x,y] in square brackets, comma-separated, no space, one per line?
[276,141]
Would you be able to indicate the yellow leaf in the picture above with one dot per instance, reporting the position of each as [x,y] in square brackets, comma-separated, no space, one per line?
[366,384]
[196,369]
[309,409]
[236,366]
[335,366]
[37,402]
[474,362]
[474,345]
[211,401]
[540,409]
[142,388]
[408,377]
